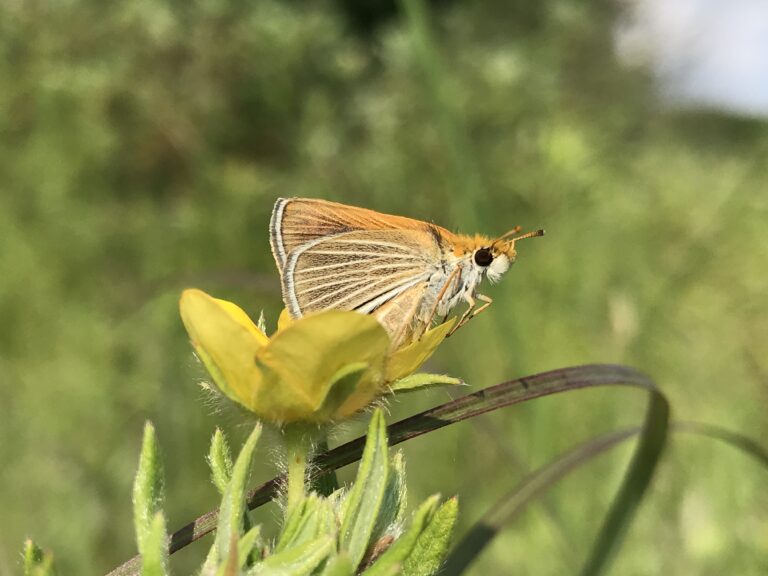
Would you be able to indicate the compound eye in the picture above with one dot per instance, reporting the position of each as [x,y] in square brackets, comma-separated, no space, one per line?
[483,257]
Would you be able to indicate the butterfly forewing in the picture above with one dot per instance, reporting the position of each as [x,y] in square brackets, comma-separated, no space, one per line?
[298,221]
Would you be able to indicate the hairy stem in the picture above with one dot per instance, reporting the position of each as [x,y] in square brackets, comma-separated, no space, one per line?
[298,443]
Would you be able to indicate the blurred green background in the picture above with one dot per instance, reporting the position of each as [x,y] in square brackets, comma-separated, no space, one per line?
[142,145]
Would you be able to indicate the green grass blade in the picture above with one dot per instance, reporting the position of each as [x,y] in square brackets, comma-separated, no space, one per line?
[512,504]
[734,439]
[636,481]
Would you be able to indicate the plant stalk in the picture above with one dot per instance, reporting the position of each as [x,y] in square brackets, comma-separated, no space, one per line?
[298,443]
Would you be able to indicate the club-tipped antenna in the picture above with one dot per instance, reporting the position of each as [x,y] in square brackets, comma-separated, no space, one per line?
[533,234]
[506,237]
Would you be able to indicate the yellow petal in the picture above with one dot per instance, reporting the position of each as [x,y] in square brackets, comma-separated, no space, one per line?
[284,320]
[407,359]
[239,316]
[226,341]
[307,357]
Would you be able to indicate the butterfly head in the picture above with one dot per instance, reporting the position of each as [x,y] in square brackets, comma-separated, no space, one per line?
[494,259]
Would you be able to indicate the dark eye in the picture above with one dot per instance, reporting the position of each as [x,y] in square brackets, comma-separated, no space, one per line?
[483,257]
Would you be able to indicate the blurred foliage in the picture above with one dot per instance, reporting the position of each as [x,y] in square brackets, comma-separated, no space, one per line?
[142,145]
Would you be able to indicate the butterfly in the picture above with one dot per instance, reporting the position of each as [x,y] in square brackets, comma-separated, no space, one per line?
[405,272]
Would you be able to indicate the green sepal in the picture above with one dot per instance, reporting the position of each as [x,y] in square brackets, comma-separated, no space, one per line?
[296,561]
[343,385]
[432,544]
[220,461]
[37,562]
[339,565]
[423,380]
[363,503]
[154,558]
[232,511]
[398,552]
[148,487]
[312,518]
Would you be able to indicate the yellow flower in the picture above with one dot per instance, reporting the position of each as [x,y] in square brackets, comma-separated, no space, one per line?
[325,366]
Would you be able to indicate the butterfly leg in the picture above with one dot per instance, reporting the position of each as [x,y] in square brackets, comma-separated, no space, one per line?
[453,276]
[471,312]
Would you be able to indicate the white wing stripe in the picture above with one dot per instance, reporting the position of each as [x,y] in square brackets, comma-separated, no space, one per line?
[342,240]
[375,303]
[276,228]
[366,286]
[362,274]
[340,264]
[348,253]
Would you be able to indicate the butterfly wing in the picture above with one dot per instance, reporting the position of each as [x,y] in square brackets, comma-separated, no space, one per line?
[335,256]
[359,270]
[299,221]
[399,314]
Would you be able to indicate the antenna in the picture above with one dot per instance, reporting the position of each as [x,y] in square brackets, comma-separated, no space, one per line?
[533,234]
[506,237]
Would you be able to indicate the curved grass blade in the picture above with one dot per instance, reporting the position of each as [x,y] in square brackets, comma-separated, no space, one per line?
[535,484]
[475,404]
[512,504]
[653,437]
[734,439]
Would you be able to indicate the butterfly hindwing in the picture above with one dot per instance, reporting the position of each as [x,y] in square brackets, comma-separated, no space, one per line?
[358,270]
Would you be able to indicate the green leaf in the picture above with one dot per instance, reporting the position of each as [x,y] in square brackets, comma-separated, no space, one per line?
[154,558]
[422,380]
[148,487]
[314,517]
[296,561]
[362,505]
[395,499]
[232,511]
[398,552]
[220,461]
[339,565]
[249,546]
[432,545]
[37,562]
